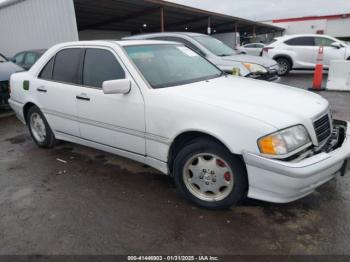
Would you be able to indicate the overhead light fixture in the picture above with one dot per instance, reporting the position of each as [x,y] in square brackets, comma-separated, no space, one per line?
[144,25]
[186,28]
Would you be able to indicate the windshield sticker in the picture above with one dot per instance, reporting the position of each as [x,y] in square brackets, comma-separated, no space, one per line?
[187,51]
[141,55]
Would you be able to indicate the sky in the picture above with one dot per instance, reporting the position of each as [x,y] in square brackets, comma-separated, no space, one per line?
[261,10]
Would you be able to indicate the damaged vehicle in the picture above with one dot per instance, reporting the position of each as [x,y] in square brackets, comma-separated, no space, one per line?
[6,69]
[221,138]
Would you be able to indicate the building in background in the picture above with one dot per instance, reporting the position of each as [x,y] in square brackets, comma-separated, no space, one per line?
[333,25]
[39,24]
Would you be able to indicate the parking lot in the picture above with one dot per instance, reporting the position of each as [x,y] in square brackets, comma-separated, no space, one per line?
[76,200]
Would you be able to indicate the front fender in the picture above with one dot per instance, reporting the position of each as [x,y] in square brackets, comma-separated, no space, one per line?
[238,132]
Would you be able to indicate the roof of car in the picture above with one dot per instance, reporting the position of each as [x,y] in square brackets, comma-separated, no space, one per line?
[39,51]
[120,43]
[140,36]
[301,35]
[141,42]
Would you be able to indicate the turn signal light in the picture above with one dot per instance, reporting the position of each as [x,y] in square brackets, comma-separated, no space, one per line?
[267,145]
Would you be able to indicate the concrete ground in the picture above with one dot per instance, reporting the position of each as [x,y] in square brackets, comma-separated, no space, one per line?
[97,203]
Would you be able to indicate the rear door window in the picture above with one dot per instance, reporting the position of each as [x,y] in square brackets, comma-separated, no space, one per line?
[100,65]
[323,41]
[301,41]
[46,73]
[67,67]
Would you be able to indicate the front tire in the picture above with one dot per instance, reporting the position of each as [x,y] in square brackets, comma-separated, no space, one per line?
[39,128]
[207,174]
[284,66]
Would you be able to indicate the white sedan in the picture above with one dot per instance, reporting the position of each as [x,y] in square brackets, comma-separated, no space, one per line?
[252,49]
[222,138]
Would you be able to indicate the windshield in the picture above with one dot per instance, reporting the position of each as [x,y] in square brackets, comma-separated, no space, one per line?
[2,59]
[171,65]
[215,46]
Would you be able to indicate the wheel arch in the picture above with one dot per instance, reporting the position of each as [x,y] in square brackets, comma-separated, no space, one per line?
[184,138]
[26,108]
[290,59]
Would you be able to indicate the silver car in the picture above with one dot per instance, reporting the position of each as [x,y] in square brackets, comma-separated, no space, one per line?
[220,54]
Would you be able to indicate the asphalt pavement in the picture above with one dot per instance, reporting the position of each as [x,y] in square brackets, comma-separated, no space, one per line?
[77,200]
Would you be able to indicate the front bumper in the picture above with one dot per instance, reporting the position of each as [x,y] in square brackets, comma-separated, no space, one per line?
[4,93]
[270,76]
[282,182]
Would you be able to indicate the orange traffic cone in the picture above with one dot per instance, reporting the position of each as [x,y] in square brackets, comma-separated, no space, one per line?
[318,74]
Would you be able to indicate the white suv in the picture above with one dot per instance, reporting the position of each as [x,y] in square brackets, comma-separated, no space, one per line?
[300,51]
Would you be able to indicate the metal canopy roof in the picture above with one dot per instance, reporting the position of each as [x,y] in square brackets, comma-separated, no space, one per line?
[131,15]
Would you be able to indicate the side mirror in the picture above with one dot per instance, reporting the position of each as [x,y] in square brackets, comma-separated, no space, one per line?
[120,86]
[336,45]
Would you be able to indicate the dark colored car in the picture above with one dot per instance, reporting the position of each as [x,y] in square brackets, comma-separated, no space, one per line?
[7,68]
[26,59]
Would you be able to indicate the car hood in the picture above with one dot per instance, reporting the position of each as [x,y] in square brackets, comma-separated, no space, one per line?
[266,62]
[277,105]
[7,69]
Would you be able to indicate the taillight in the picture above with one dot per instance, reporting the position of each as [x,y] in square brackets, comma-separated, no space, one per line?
[266,49]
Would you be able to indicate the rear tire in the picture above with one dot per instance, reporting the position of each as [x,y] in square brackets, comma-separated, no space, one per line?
[39,128]
[285,66]
[207,174]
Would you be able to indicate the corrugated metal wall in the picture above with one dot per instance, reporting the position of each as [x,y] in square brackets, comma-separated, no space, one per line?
[36,24]
[101,34]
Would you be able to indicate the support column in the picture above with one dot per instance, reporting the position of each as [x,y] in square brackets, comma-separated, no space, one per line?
[254,32]
[209,26]
[162,19]
[236,32]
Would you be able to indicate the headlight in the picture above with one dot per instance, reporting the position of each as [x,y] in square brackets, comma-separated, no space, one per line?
[236,68]
[255,68]
[284,141]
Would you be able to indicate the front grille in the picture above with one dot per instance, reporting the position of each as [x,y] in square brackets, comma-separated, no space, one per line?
[4,93]
[323,128]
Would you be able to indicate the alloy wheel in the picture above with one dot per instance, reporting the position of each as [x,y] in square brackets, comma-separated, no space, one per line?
[208,177]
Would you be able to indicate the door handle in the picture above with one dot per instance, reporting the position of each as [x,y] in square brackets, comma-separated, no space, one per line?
[41,89]
[83,97]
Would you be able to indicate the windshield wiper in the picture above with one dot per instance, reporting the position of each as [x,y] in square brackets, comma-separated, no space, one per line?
[225,55]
